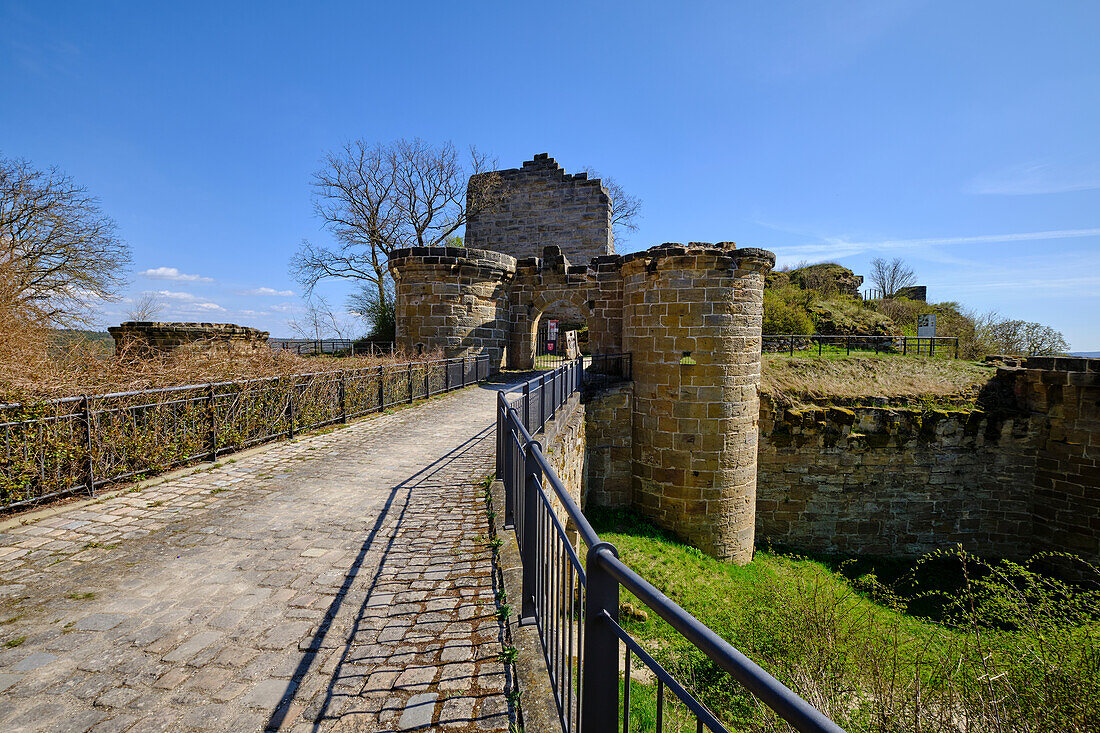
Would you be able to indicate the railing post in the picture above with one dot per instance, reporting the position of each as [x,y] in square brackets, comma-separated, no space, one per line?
[211,407]
[905,346]
[381,388]
[463,362]
[290,410]
[527,405]
[343,397]
[528,550]
[956,347]
[847,345]
[542,403]
[600,684]
[427,380]
[410,382]
[446,375]
[89,445]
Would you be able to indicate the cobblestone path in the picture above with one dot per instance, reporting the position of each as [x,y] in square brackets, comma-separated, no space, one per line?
[339,582]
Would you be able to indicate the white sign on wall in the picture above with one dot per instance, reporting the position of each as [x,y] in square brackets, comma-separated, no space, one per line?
[926,325]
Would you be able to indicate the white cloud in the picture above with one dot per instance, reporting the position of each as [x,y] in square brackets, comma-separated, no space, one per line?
[171,273]
[268,291]
[286,308]
[842,247]
[175,295]
[209,307]
[1033,178]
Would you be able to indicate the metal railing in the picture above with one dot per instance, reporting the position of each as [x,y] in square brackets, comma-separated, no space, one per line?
[573,598]
[905,345]
[76,444]
[333,347]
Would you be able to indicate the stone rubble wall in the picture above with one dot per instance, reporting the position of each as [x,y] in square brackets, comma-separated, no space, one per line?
[563,443]
[1066,393]
[160,337]
[898,482]
[541,205]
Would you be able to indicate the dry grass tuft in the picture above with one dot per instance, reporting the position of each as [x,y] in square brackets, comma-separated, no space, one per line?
[793,379]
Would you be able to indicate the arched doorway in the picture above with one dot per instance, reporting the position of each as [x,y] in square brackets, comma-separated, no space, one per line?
[567,308]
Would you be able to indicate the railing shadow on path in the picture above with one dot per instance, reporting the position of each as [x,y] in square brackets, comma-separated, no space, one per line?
[316,644]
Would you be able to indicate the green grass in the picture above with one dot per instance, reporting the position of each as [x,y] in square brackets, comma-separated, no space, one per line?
[878,644]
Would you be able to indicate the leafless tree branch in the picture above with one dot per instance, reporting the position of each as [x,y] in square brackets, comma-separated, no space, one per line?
[63,252]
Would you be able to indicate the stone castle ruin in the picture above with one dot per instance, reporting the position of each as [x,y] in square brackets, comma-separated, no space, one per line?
[690,315]
[682,443]
[158,338]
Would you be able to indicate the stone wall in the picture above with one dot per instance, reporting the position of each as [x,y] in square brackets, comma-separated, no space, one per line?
[898,482]
[691,320]
[1019,477]
[454,299]
[1066,393]
[608,420]
[540,205]
[563,443]
[159,337]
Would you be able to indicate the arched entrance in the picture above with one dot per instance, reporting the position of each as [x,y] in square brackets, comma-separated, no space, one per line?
[569,307]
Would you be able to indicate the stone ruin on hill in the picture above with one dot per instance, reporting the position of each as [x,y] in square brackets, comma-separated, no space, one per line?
[156,337]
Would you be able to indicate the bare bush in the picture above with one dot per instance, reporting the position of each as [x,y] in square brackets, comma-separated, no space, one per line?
[147,307]
[892,276]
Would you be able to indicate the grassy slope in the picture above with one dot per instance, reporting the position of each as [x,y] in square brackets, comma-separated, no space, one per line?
[810,626]
[906,377]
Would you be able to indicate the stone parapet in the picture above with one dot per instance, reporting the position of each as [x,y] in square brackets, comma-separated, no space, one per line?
[162,337]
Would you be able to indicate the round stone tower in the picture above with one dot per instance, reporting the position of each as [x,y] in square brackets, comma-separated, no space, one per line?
[691,319]
[453,299]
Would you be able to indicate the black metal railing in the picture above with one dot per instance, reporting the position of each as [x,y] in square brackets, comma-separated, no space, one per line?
[573,597]
[945,346]
[77,444]
[333,347]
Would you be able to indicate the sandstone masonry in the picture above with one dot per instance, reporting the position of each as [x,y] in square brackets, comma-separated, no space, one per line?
[689,314]
[164,337]
[540,205]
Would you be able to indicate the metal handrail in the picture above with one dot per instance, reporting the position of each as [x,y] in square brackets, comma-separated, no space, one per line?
[849,339]
[79,446]
[526,473]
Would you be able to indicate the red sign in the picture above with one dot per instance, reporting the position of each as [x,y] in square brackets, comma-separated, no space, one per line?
[549,345]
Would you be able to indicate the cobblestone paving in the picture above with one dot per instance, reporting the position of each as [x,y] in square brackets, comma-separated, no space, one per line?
[339,582]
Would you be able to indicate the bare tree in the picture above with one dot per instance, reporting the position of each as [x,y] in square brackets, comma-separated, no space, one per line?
[319,321]
[625,208]
[375,198]
[146,307]
[63,252]
[892,276]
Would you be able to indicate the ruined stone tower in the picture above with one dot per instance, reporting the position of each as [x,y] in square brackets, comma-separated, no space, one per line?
[691,319]
[540,205]
[453,299]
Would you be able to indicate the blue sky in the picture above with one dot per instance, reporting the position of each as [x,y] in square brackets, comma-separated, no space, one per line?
[959,136]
